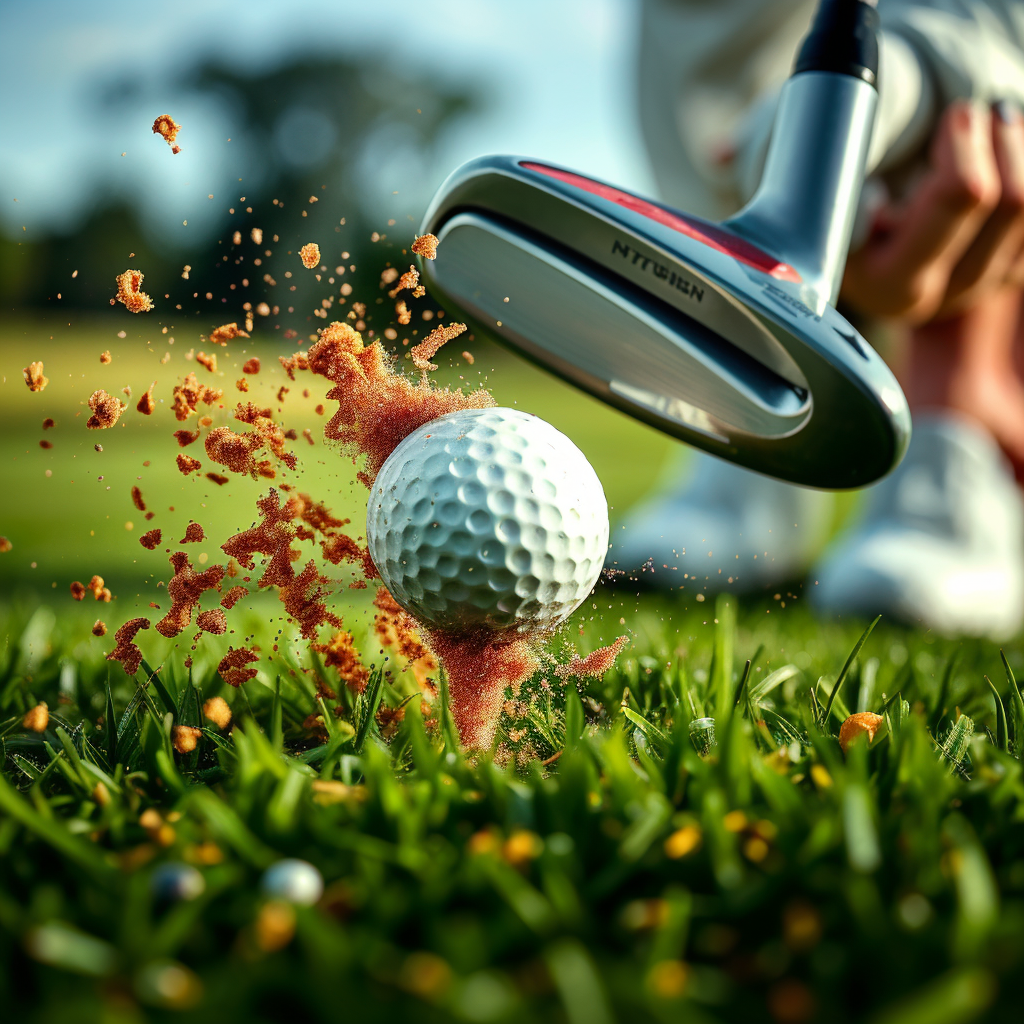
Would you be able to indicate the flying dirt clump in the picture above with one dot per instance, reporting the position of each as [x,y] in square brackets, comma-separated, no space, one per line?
[595,664]
[213,620]
[302,593]
[147,404]
[235,451]
[337,547]
[125,651]
[429,347]
[409,280]
[150,540]
[33,374]
[232,666]
[106,410]
[185,737]
[185,588]
[378,406]
[130,293]
[218,711]
[271,433]
[37,718]
[99,591]
[193,534]
[166,127]
[340,654]
[293,363]
[189,393]
[225,333]
[268,537]
[425,246]
[310,255]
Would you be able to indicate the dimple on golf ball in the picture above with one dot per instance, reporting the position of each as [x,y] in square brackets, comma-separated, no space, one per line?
[488,517]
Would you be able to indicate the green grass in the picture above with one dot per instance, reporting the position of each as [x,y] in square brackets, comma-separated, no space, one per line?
[73,523]
[887,885]
[602,871]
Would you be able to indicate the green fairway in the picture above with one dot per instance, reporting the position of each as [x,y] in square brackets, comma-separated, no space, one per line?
[596,869]
[73,523]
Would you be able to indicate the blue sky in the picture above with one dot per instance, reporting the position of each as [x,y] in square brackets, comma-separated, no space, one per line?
[561,76]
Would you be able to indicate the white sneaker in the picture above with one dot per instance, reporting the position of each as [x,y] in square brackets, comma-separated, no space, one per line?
[941,542]
[723,527]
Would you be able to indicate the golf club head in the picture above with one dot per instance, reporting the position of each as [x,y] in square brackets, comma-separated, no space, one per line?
[722,335]
[681,323]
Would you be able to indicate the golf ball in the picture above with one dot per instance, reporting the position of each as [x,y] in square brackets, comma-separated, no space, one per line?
[488,517]
[293,880]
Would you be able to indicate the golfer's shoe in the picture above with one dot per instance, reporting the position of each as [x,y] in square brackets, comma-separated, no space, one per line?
[722,528]
[941,543]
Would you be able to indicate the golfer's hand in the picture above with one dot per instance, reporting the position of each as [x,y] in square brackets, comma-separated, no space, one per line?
[960,233]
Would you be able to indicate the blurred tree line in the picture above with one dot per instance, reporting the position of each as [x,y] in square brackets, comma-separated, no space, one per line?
[308,122]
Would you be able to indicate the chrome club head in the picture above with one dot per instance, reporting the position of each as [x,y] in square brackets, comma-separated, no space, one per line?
[721,335]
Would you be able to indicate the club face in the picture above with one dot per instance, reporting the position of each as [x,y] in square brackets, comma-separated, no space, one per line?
[668,318]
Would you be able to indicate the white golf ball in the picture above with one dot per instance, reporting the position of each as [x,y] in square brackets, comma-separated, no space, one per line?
[293,880]
[488,517]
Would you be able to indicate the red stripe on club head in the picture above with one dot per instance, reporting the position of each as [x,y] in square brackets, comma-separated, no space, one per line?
[710,235]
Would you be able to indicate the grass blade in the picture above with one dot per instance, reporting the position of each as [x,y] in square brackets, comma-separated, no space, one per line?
[846,669]
[1001,741]
[72,756]
[81,852]
[816,706]
[947,680]
[738,695]
[110,728]
[153,676]
[763,687]
[31,770]
[578,983]
[650,730]
[189,713]
[277,718]
[574,717]
[1018,708]
[372,697]
[725,633]
[448,730]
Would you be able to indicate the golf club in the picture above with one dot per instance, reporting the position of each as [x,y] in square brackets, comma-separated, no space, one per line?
[722,335]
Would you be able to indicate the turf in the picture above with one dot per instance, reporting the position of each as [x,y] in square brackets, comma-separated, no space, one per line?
[601,870]
[627,879]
